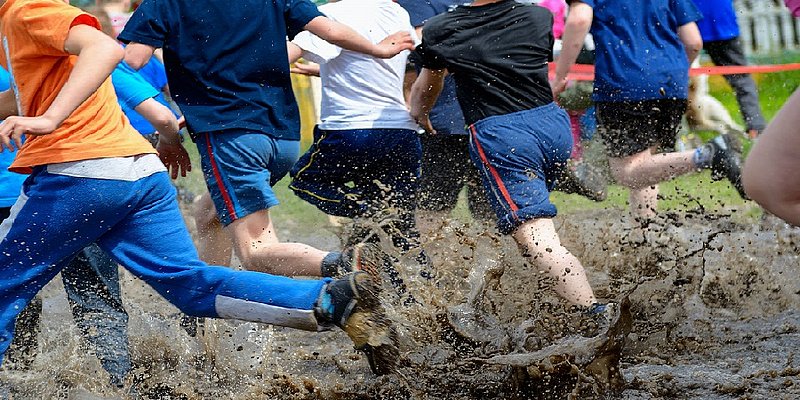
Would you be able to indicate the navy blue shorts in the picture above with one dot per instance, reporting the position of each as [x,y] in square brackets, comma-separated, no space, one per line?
[349,173]
[520,156]
[240,168]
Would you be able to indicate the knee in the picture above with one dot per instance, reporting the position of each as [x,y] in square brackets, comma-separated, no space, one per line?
[204,213]
[626,176]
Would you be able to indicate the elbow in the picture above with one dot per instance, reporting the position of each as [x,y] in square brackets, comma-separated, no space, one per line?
[115,52]
[133,62]
[694,46]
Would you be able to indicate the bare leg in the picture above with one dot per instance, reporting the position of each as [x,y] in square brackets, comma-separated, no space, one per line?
[214,245]
[257,246]
[540,242]
[644,201]
[642,172]
[770,175]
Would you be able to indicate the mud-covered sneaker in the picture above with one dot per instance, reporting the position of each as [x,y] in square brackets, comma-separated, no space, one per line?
[583,179]
[603,313]
[367,257]
[352,303]
[727,161]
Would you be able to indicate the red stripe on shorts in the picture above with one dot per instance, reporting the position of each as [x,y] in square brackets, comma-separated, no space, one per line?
[226,197]
[493,171]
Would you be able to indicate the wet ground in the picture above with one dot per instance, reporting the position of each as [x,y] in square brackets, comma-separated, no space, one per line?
[713,298]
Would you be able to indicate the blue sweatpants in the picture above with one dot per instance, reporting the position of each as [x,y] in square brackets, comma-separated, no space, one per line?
[138,223]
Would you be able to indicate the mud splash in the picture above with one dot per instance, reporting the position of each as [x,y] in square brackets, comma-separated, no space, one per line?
[713,299]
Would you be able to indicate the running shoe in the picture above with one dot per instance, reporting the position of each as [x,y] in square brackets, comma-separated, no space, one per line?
[583,179]
[727,161]
[367,257]
[356,308]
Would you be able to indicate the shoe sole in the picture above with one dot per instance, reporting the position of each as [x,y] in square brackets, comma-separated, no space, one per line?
[369,328]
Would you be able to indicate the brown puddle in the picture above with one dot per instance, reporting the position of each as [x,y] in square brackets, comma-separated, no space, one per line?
[713,314]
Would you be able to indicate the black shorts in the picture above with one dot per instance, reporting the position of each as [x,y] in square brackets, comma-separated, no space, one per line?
[631,127]
[446,168]
[5,212]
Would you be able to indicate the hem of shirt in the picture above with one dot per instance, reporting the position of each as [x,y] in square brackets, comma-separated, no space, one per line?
[140,39]
[28,168]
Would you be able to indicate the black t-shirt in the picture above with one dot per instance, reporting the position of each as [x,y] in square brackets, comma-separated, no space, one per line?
[497,53]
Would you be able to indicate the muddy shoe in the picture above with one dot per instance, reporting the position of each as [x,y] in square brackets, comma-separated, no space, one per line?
[727,161]
[615,321]
[352,304]
[367,257]
[604,314]
[583,179]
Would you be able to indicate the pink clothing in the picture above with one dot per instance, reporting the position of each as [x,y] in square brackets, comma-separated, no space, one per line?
[559,10]
[794,6]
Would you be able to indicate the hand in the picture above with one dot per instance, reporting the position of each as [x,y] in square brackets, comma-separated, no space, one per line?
[558,86]
[305,69]
[424,121]
[394,44]
[12,129]
[181,122]
[174,157]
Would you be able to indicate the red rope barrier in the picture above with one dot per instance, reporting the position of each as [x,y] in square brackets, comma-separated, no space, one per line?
[584,72]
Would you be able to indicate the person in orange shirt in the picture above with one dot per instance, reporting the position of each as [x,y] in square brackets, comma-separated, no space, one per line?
[94,179]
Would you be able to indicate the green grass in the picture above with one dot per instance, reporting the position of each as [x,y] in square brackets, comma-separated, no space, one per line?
[684,193]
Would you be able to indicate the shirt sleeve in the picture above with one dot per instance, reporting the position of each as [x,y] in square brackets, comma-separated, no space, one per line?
[316,49]
[297,14]
[148,25]
[48,24]
[686,11]
[419,11]
[589,3]
[425,55]
[131,89]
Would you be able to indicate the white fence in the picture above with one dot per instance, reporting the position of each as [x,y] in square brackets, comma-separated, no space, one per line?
[767,27]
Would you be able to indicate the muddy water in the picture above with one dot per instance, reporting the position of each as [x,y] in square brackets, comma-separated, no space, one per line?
[714,301]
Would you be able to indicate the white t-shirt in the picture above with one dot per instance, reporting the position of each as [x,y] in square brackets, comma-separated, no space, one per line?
[361,91]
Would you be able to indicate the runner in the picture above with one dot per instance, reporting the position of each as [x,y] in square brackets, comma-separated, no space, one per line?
[364,162]
[640,92]
[235,92]
[91,281]
[95,179]
[497,51]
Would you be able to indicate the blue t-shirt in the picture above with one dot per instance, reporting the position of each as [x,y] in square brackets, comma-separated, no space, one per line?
[719,20]
[227,65]
[639,55]
[131,91]
[446,116]
[10,182]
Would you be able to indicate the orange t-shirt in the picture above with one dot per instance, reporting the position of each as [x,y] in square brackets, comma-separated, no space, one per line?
[33,33]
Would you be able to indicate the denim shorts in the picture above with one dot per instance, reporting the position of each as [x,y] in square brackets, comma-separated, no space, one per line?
[520,155]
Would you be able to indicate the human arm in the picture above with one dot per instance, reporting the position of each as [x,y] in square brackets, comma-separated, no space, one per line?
[138,54]
[98,55]
[310,69]
[424,92]
[689,34]
[161,117]
[170,149]
[346,38]
[579,21]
